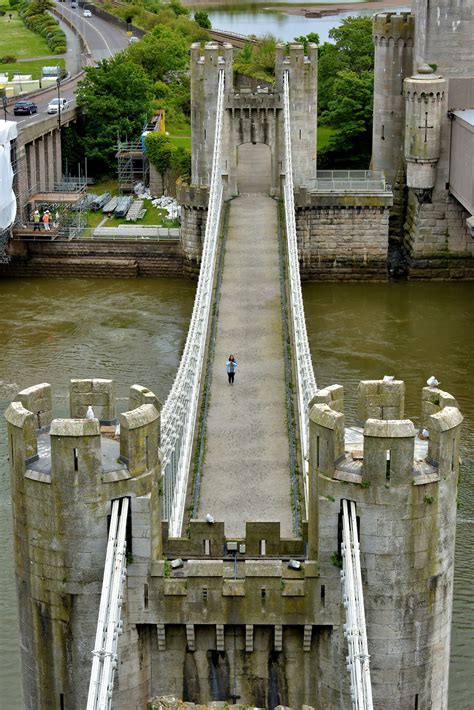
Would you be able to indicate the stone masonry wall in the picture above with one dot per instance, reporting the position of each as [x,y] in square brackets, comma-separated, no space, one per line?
[109,259]
[437,241]
[343,243]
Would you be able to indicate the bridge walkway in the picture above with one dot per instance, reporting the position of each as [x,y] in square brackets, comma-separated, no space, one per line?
[246,473]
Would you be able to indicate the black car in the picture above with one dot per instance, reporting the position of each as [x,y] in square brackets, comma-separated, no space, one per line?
[25,107]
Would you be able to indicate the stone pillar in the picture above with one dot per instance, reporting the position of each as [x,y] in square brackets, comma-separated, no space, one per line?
[42,185]
[326,446]
[32,168]
[49,142]
[57,162]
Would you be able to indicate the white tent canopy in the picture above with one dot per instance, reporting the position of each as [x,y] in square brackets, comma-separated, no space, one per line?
[8,131]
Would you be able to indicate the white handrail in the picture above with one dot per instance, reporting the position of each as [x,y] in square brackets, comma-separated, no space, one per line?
[306,386]
[109,623]
[104,603]
[179,413]
[355,628]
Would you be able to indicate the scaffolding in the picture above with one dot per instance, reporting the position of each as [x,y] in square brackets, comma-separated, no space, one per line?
[132,163]
[66,204]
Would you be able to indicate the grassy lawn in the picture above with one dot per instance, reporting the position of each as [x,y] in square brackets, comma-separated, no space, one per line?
[18,41]
[105,185]
[34,67]
[324,134]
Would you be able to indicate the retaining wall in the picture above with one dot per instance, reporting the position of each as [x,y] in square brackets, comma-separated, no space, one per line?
[110,259]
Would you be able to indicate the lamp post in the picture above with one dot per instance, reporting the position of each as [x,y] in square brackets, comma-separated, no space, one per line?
[4,103]
[58,83]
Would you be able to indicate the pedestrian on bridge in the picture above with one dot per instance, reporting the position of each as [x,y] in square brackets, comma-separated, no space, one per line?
[231,366]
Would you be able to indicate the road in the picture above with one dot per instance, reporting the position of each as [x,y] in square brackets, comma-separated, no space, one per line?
[103,39]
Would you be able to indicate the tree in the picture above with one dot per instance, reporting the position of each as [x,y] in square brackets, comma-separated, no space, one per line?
[117,97]
[352,49]
[258,60]
[350,112]
[181,163]
[202,18]
[160,51]
[160,151]
[310,38]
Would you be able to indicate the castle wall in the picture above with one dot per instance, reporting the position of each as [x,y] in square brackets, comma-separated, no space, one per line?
[94,258]
[406,512]
[63,482]
[342,237]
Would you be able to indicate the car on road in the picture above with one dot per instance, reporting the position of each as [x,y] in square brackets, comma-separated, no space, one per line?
[87,13]
[22,108]
[133,39]
[56,104]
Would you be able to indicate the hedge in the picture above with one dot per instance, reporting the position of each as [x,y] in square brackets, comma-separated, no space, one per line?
[36,18]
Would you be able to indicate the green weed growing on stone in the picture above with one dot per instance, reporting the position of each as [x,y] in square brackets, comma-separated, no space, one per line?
[428,500]
[336,560]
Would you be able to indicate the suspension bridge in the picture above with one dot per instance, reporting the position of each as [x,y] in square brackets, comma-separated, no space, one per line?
[247,469]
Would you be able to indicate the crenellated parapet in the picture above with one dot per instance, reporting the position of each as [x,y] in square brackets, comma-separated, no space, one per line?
[404,484]
[64,478]
[393,28]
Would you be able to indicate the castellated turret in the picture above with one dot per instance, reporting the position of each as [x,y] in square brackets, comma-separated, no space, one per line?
[303,81]
[205,67]
[405,490]
[393,61]
[64,475]
[425,101]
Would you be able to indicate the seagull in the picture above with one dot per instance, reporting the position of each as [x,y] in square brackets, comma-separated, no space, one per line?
[209,519]
[432,381]
[388,378]
[90,413]
[424,434]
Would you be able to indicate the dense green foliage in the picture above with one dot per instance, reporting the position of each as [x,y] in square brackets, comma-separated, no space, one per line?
[202,18]
[36,18]
[121,94]
[165,156]
[258,60]
[345,94]
[117,96]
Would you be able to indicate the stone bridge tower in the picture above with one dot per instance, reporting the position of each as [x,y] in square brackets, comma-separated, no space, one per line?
[254,116]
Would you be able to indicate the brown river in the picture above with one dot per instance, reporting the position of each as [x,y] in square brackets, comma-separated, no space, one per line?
[133,331]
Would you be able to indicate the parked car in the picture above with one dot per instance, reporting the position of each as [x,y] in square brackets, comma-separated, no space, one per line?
[74,5]
[25,107]
[87,13]
[133,39]
[55,104]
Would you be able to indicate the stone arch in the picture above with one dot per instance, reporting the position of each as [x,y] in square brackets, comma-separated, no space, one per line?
[254,167]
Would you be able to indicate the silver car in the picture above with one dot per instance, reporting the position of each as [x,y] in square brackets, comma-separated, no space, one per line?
[55,104]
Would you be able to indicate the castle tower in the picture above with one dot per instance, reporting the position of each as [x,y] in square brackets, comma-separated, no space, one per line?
[393,38]
[205,69]
[303,80]
[425,97]
[65,473]
[405,492]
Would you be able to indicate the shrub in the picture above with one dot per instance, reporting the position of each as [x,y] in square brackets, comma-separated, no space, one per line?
[8,59]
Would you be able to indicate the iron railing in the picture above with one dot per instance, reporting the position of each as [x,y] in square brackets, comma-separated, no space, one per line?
[179,413]
[305,380]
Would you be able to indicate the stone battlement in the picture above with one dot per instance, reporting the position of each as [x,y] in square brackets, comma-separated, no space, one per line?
[81,447]
[390,26]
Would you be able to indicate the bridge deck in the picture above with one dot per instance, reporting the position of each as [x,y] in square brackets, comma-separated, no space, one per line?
[246,473]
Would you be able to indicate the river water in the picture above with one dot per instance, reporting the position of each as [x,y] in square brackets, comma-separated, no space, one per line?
[133,331]
[258,20]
